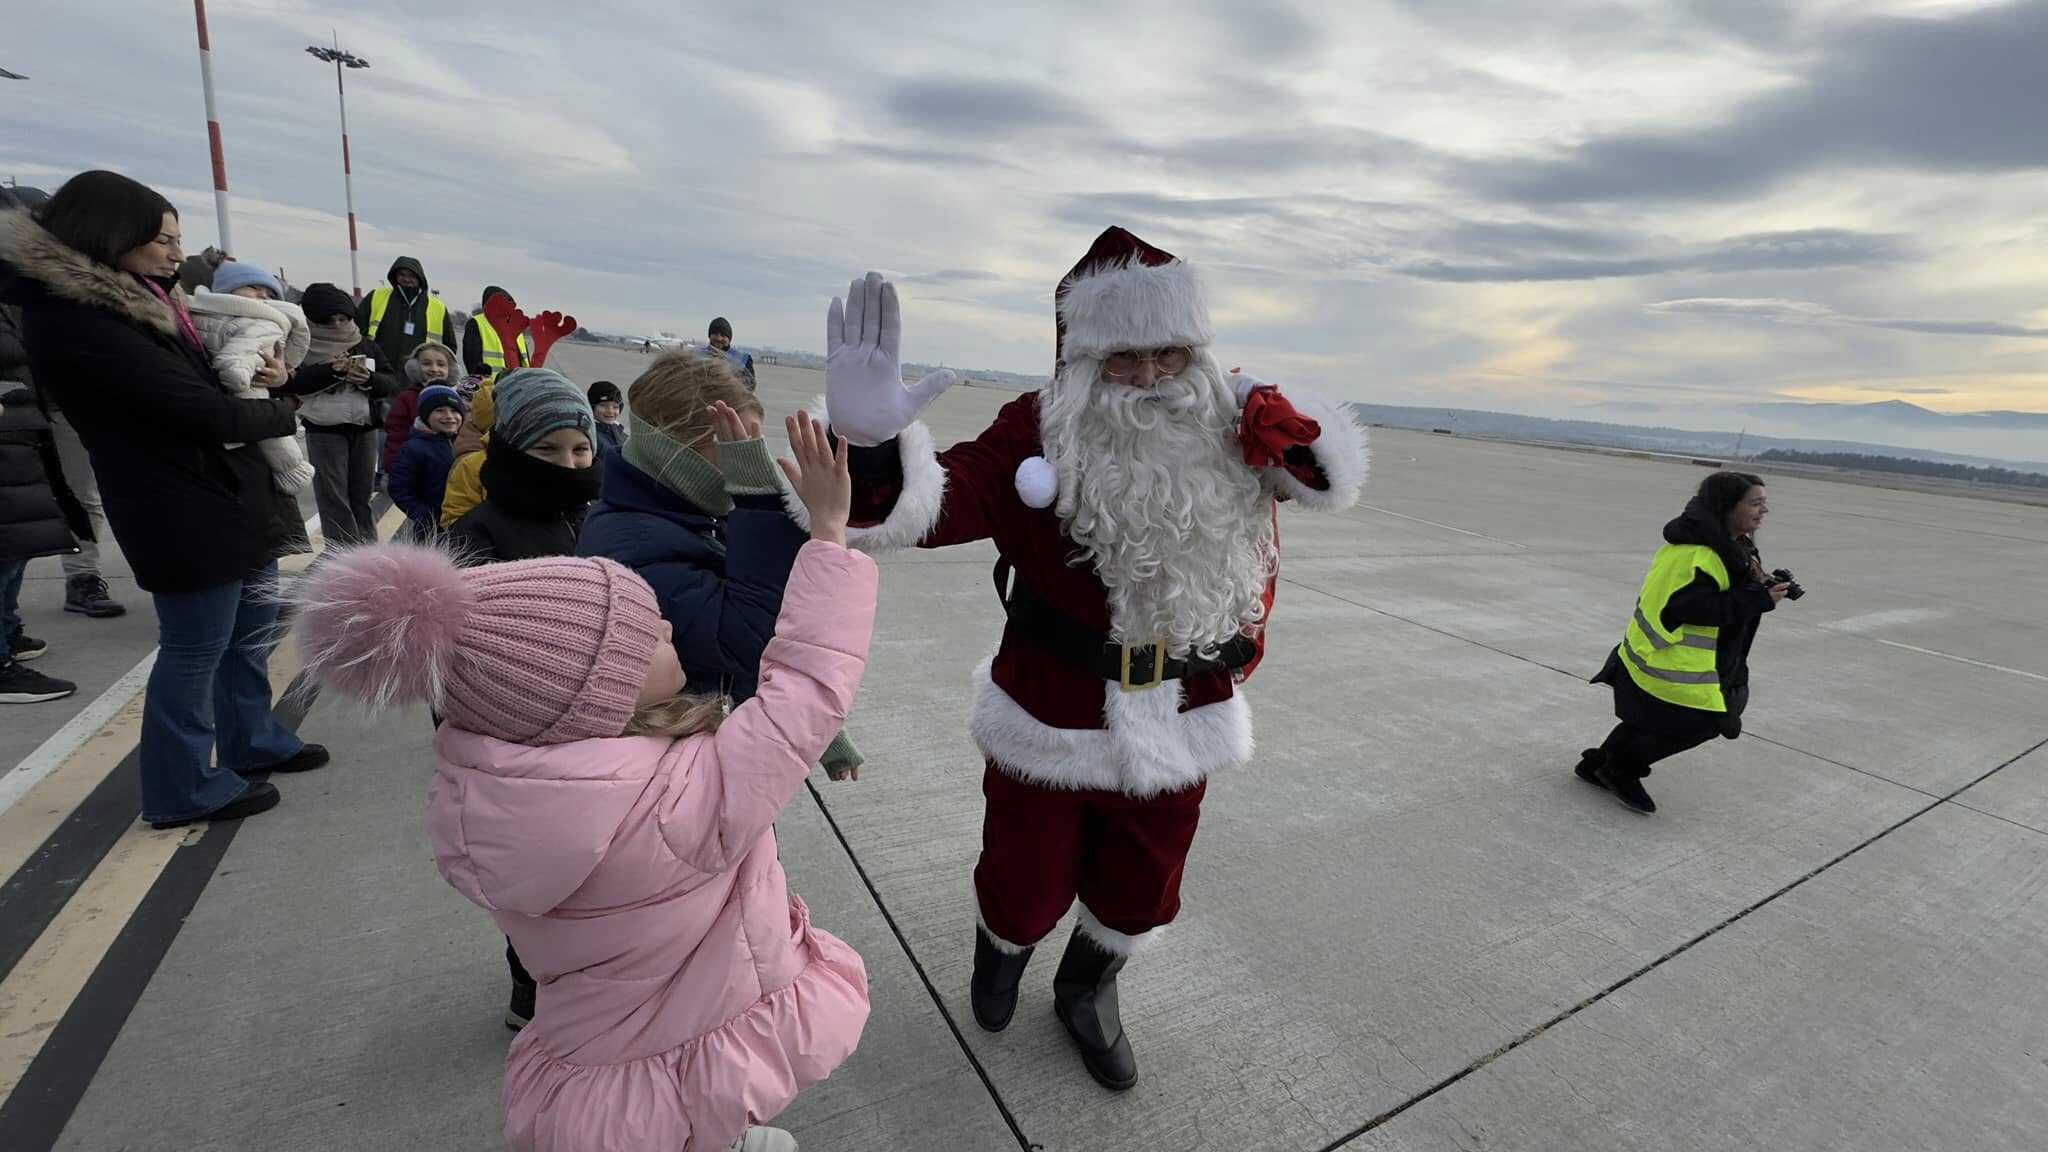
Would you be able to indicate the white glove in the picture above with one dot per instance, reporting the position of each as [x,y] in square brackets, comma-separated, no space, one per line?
[1243,384]
[864,391]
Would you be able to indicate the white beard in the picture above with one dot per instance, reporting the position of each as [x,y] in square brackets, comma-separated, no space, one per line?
[1154,489]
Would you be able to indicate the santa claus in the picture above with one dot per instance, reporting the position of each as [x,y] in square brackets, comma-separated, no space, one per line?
[1132,501]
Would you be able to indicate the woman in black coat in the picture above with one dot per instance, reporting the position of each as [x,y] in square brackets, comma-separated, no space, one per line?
[187,494]
[1722,517]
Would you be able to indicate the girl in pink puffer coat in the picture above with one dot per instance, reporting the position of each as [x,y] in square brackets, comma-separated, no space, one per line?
[620,833]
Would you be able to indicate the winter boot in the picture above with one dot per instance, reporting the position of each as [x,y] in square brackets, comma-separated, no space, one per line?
[1084,998]
[765,1140]
[1589,765]
[996,973]
[1626,786]
[87,595]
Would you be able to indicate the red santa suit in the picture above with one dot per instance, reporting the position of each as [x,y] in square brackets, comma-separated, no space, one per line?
[1093,789]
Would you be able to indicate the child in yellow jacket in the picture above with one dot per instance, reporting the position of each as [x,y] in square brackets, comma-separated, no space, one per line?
[466,480]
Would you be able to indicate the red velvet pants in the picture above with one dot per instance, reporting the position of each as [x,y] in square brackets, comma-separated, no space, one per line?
[1043,847]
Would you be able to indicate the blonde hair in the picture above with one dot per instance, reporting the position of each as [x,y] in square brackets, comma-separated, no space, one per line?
[454,361]
[679,716]
[676,392]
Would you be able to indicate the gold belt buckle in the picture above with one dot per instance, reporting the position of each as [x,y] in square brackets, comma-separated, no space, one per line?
[1158,668]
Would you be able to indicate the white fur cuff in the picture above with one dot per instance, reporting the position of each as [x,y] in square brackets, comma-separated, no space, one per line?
[917,507]
[1111,940]
[1341,451]
[1002,945]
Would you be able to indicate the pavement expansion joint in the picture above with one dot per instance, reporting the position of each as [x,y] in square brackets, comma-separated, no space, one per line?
[1734,918]
[987,1082]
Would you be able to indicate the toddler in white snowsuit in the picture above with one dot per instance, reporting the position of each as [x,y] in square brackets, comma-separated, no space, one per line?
[244,317]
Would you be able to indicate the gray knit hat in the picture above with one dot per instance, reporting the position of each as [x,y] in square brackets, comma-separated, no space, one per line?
[530,403]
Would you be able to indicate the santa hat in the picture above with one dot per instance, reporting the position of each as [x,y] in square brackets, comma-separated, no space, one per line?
[1127,294]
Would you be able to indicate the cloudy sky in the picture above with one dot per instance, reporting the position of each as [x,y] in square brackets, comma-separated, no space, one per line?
[1564,205]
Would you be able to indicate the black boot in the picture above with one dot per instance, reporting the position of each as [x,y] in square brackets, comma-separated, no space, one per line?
[1084,998]
[1622,780]
[87,595]
[1589,765]
[994,990]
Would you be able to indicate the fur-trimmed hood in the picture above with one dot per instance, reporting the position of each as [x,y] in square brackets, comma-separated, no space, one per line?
[56,269]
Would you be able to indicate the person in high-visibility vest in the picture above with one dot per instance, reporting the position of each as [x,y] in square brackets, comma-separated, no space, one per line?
[1681,672]
[483,351]
[403,316]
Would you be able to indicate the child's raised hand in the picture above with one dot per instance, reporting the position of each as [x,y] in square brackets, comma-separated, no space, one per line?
[820,477]
[730,425]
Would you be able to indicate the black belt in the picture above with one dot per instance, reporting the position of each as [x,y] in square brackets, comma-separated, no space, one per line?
[1133,667]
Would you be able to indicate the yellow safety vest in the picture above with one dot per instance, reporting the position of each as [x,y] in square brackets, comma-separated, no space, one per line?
[1676,667]
[437,316]
[494,347]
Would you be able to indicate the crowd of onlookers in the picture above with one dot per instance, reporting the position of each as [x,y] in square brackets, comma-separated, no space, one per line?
[184,405]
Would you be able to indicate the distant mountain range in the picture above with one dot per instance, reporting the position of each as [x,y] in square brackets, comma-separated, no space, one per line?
[1908,415]
[1908,431]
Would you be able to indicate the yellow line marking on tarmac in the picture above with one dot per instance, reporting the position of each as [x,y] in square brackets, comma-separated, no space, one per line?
[40,990]
[25,826]
[47,980]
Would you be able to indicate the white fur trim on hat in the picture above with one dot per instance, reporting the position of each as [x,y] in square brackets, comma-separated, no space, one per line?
[1342,451]
[1147,747]
[1135,306]
[917,507]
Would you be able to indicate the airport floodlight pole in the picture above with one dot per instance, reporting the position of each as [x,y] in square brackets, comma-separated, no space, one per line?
[220,163]
[341,60]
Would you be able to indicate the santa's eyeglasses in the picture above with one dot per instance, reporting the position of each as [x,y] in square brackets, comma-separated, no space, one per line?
[1165,362]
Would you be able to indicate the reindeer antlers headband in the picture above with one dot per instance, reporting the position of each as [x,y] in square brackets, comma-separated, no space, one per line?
[543,330]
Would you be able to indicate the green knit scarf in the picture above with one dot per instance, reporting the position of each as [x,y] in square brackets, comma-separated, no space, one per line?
[744,467]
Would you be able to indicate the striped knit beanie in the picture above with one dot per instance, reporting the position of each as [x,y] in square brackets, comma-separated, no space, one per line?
[533,402]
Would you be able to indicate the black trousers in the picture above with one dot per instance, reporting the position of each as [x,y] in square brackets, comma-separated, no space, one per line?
[519,975]
[1633,747]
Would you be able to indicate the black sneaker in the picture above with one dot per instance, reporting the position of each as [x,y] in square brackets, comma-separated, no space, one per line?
[86,594]
[307,758]
[519,1013]
[1627,789]
[20,685]
[24,647]
[260,797]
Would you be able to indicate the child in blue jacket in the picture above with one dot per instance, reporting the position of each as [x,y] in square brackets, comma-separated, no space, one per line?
[419,476]
[692,503]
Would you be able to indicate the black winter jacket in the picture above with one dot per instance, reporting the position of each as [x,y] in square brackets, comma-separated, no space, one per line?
[1738,613]
[38,516]
[531,508]
[189,513]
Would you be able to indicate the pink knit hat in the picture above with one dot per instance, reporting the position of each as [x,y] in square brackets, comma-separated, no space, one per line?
[535,652]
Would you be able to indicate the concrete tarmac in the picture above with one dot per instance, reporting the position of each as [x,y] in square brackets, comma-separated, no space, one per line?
[1407,925]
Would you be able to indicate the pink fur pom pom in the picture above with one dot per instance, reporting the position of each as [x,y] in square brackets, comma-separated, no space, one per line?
[382,623]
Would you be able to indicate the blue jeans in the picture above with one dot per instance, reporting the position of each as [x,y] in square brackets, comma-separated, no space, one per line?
[210,686]
[10,606]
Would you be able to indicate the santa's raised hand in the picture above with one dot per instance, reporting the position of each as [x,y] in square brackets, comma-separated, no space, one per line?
[864,389]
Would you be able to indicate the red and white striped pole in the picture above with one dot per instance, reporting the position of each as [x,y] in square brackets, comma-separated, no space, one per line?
[348,180]
[220,163]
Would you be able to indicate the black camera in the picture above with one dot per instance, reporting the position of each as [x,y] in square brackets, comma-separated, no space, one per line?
[1784,576]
